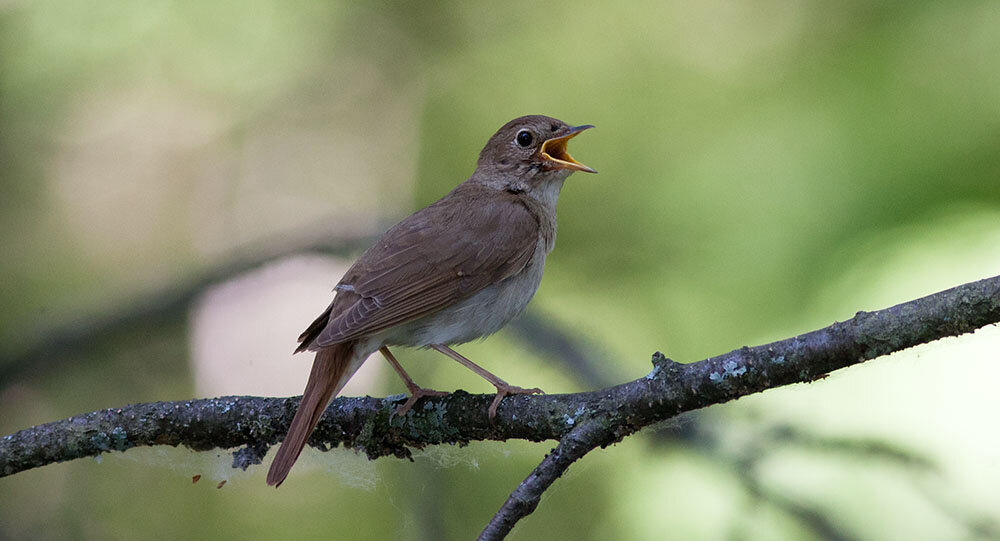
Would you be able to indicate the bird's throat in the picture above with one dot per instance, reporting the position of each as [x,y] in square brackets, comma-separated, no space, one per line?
[547,192]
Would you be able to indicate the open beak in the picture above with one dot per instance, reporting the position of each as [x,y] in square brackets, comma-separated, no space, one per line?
[554,153]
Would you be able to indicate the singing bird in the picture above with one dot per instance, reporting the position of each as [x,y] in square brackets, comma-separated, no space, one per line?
[454,271]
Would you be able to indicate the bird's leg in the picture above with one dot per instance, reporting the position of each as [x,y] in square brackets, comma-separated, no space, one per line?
[503,388]
[416,392]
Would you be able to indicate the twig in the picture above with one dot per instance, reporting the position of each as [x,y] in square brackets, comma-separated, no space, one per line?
[523,501]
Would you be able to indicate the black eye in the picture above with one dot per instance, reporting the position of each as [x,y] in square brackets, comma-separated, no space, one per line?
[524,138]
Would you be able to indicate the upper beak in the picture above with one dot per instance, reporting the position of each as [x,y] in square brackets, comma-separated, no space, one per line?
[554,153]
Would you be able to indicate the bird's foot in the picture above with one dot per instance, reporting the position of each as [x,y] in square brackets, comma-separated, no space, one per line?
[416,393]
[504,389]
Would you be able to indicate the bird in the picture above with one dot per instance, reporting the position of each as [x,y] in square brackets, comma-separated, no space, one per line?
[453,272]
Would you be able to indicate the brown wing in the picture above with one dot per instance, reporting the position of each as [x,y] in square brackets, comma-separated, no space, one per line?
[472,238]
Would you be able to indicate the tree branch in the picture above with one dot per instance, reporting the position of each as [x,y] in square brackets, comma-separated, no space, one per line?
[523,501]
[582,421]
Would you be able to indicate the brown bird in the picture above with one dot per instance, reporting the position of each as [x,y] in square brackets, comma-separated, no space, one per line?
[455,271]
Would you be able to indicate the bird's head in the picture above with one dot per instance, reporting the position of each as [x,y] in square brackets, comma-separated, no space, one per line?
[530,151]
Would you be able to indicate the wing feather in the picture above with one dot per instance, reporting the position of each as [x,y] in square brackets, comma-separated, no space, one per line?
[467,241]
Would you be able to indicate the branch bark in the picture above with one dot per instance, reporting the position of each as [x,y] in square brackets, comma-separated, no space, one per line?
[581,421]
[523,501]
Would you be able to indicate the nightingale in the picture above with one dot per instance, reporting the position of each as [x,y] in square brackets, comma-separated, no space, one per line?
[454,271]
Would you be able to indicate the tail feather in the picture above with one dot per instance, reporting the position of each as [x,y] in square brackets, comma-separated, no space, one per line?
[330,371]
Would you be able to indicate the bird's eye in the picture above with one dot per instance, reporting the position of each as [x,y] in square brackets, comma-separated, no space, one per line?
[524,138]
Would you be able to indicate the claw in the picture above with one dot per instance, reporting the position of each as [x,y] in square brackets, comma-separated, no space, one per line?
[507,389]
[416,393]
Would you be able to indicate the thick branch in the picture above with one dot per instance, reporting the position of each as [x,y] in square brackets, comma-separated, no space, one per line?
[365,423]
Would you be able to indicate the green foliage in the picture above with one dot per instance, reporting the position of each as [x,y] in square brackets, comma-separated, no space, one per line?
[765,168]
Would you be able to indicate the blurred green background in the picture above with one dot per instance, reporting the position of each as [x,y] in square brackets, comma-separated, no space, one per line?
[765,168]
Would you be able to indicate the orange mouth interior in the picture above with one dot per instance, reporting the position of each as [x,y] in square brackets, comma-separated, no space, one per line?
[554,151]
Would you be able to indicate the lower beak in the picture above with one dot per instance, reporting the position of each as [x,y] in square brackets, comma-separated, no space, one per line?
[554,154]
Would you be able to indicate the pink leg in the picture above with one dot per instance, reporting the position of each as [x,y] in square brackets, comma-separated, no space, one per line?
[416,392]
[503,388]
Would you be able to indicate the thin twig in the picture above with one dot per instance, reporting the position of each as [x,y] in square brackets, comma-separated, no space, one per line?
[523,501]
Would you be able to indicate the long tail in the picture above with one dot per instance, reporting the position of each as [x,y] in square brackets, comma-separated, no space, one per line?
[332,368]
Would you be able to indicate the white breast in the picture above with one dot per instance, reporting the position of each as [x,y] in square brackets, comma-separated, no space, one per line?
[478,316]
